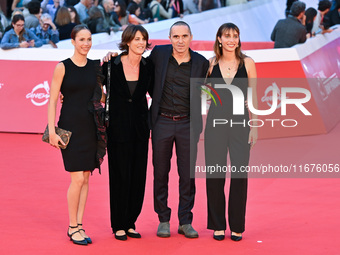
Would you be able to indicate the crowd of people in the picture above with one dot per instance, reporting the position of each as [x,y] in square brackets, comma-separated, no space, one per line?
[60,16]
[53,20]
[301,24]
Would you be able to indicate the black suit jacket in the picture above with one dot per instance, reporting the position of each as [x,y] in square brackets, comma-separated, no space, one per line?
[160,57]
[128,114]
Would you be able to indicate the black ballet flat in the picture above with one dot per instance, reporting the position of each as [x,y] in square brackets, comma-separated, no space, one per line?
[133,235]
[121,238]
[88,239]
[235,238]
[79,242]
[218,237]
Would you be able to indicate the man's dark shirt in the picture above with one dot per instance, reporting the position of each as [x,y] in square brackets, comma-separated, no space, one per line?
[176,91]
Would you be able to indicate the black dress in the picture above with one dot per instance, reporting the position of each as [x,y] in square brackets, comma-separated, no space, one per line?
[78,88]
[220,140]
[65,31]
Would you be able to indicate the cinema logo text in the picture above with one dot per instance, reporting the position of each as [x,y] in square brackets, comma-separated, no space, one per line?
[40,94]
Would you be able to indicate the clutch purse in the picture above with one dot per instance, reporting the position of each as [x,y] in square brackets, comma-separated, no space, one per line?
[64,135]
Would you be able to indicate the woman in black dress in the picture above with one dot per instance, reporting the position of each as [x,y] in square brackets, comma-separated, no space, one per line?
[76,78]
[128,131]
[231,67]
[64,23]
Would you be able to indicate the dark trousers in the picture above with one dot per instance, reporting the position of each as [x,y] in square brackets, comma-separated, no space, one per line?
[218,142]
[127,174]
[165,134]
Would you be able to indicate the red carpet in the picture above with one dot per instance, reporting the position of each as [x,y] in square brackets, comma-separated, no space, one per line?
[284,216]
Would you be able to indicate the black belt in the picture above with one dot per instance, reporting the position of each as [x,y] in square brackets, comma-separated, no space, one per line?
[174,117]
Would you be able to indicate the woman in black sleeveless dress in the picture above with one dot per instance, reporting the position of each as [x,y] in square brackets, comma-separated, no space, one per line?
[229,67]
[76,79]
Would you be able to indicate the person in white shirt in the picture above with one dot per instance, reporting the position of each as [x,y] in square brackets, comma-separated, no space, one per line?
[82,8]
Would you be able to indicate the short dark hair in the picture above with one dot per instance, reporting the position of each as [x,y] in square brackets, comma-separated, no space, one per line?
[34,7]
[133,8]
[324,5]
[297,8]
[130,33]
[77,29]
[180,23]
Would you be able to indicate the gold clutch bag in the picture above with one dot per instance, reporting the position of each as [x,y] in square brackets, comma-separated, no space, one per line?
[64,135]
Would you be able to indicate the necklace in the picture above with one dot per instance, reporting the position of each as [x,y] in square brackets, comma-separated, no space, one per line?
[134,68]
[231,68]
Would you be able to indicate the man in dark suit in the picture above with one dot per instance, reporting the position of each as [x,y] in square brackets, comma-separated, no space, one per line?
[172,98]
[171,113]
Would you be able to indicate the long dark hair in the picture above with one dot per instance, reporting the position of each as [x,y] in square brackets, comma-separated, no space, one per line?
[122,11]
[310,14]
[15,19]
[76,18]
[218,50]
[129,34]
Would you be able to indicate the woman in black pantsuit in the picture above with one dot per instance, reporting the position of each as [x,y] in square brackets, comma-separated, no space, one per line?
[231,67]
[128,131]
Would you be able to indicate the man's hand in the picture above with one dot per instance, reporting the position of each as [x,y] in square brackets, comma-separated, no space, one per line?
[109,55]
[61,97]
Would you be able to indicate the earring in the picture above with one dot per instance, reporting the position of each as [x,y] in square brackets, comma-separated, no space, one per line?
[220,45]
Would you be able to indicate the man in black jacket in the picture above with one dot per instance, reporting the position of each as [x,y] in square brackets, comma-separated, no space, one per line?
[291,31]
[173,95]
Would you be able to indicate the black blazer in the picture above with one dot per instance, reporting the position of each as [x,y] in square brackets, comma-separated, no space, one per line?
[160,57]
[128,114]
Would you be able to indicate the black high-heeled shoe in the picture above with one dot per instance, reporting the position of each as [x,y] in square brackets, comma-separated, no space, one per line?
[235,238]
[218,237]
[88,239]
[80,242]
